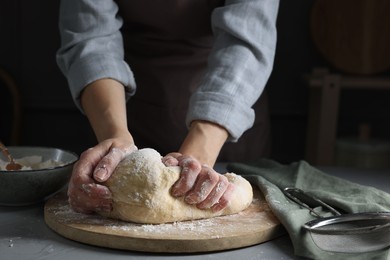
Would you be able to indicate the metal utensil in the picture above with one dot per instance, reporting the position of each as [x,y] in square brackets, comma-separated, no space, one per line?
[346,233]
[307,201]
[12,165]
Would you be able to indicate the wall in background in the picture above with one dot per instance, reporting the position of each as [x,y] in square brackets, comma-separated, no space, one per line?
[30,39]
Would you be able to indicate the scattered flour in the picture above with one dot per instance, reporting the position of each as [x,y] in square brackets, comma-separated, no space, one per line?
[66,215]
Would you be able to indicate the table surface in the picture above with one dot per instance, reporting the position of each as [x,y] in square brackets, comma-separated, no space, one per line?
[24,234]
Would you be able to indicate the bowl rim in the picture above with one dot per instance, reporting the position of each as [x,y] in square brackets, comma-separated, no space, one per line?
[76,157]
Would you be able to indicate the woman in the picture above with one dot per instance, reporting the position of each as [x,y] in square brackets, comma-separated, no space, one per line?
[190,71]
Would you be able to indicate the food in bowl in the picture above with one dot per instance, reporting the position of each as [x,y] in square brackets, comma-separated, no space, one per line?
[50,171]
[34,162]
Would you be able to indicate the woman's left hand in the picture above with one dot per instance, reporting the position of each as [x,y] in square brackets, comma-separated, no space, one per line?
[199,184]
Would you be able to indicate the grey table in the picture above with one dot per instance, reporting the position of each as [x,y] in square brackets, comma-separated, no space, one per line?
[24,234]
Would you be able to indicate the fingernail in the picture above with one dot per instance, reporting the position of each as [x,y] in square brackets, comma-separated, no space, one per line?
[201,206]
[101,173]
[189,199]
[170,161]
[175,192]
[87,187]
[107,196]
[216,207]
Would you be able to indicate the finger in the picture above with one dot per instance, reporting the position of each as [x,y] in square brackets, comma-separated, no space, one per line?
[205,183]
[171,159]
[216,194]
[84,195]
[108,163]
[89,198]
[82,170]
[225,199]
[81,174]
[188,175]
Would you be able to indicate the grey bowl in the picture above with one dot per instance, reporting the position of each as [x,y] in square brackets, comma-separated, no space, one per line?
[19,188]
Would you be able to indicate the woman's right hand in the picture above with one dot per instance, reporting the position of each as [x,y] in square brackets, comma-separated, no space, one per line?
[104,103]
[86,194]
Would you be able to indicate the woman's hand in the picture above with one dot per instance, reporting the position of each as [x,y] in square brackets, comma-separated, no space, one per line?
[199,184]
[104,104]
[96,165]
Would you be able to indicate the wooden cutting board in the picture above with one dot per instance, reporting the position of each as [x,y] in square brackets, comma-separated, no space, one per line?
[252,226]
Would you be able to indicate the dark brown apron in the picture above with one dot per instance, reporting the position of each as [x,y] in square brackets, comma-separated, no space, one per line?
[166,45]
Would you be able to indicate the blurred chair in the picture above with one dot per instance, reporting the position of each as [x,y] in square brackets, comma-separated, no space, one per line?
[324,99]
[11,111]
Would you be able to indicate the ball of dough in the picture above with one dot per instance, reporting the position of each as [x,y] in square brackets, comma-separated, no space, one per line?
[140,187]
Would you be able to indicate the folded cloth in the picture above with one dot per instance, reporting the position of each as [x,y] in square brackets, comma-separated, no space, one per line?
[272,177]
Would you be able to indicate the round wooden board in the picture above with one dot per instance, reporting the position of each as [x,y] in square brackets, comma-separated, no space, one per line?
[353,35]
[252,226]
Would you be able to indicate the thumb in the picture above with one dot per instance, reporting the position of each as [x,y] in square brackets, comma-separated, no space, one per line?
[108,163]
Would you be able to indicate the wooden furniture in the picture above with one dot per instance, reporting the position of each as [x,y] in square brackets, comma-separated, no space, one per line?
[352,35]
[324,99]
[15,123]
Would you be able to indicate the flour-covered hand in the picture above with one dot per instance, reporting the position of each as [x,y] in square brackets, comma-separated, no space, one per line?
[199,184]
[86,194]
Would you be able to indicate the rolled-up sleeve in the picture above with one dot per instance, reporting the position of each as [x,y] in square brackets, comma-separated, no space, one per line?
[92,45]
[239,65]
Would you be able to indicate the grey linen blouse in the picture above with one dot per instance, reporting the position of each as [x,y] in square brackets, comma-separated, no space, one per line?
[239,64]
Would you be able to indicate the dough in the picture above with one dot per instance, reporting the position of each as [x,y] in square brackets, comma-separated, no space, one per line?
[140,187]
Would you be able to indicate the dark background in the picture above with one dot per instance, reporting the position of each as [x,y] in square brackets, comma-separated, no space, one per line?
[29,40]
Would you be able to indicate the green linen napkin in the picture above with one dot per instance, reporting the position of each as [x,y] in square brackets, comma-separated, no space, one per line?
[271,177]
